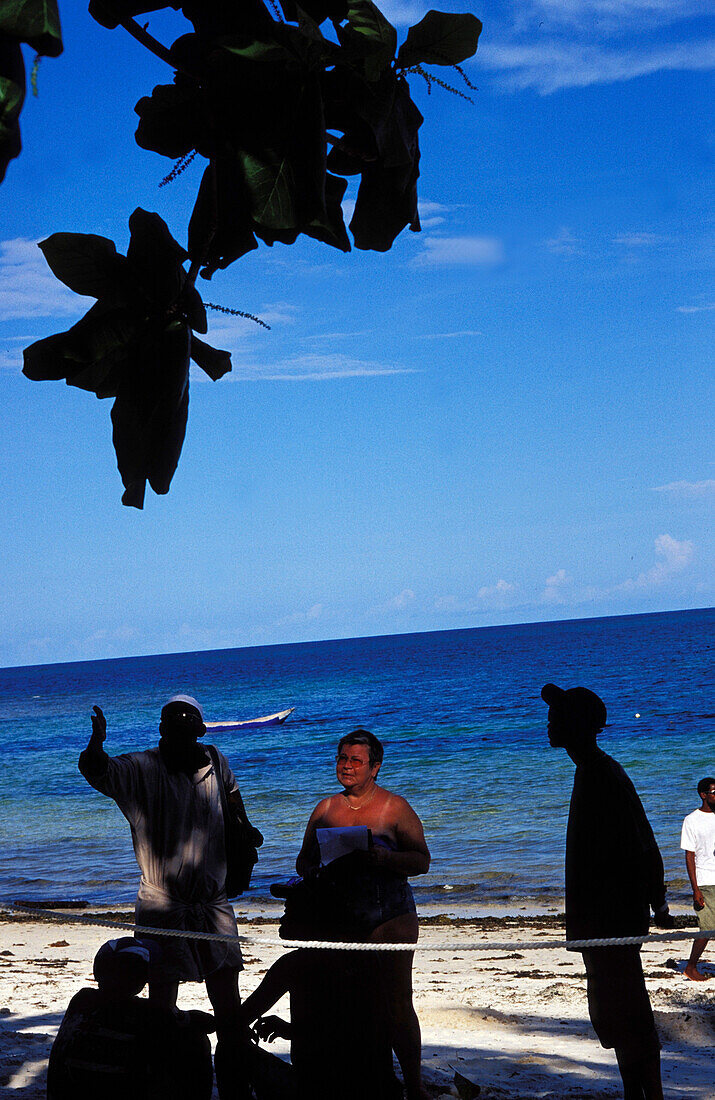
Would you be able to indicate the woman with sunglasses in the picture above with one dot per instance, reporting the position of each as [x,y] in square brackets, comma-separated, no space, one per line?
[377,890]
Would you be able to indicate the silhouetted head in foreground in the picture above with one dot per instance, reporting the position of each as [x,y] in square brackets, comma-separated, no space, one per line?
[182,724]
[121,968]
[576,717]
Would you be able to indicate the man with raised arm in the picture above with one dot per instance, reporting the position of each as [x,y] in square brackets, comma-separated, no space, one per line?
[698,841]
[614,877]
[170,796]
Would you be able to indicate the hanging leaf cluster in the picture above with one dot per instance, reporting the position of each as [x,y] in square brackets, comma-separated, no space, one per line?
[36,23]
[283,111]
[134,344]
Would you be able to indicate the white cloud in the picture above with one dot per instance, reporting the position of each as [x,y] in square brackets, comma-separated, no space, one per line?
[696,309]
[687,489]
[471,251]
[489,597]
[11,359]
[316,368]
[639,240]
[400,602]
[405,597]
[672,556]
[557,587]
[403,13]
[565,244]
[29,289]
[495,591]
[551,65]
[432,214]
[298,368]
[608,16]
[448,335]
[314,612]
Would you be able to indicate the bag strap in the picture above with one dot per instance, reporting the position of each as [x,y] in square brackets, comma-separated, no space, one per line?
[219,779]
[236,803]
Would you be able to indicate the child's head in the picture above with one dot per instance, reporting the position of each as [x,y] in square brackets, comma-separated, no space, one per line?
[121,968]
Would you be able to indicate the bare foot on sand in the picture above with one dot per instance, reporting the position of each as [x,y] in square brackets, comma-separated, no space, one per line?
[694,974]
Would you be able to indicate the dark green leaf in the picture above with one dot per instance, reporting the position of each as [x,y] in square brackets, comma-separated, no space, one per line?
[36,22]
[172,120]
[440,39]
[330,227]
[318,10]
[12,95]
[220,227]
[87,264]
[156,259]
[218,19]
[193,309]
[150,413]
[213,361]
[368,35]
[90,354]
[285,174]
[386,203]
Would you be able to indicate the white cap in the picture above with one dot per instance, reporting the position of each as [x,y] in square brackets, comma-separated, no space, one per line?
[186,699]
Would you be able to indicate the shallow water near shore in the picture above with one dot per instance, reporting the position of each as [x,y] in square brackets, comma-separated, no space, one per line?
[464,731]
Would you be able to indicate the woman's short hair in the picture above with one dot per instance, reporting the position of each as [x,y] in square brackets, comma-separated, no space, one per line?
[364,737]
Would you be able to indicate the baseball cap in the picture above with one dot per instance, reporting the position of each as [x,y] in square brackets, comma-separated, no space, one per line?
[580,703]
[189,699]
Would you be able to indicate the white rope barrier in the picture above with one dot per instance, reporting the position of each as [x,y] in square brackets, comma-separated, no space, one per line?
[521,945]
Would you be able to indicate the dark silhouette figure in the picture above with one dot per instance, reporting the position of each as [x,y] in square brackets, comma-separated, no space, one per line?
[115,1045]
[339,1030]
[614,876]
[698,841]
[171,798]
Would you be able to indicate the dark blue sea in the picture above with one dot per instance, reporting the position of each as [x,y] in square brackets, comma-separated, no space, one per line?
[459,713]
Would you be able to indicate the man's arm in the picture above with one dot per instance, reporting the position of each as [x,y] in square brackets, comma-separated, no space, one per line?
[275,983]
[93,761]
[698,899]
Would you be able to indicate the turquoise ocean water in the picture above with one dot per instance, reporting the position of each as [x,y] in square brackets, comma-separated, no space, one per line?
[464,731]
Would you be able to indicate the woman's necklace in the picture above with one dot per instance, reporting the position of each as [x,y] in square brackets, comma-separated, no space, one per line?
[362,804]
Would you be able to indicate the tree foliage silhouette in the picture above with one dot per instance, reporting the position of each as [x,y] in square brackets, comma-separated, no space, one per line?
[283,105]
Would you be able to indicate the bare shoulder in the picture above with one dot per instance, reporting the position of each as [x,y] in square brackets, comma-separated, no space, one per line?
[399,806]
[322,810]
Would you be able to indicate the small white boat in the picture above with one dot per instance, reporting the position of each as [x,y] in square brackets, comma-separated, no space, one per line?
[252,723]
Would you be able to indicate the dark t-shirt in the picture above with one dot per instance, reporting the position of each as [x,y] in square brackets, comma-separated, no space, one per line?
[614,870]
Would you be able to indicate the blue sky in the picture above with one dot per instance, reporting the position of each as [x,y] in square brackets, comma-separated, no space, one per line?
[507,418]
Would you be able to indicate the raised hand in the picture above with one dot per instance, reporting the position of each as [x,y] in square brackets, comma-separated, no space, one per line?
[99,724]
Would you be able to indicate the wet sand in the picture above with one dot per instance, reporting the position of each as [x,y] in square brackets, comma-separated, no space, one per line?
[513,1021]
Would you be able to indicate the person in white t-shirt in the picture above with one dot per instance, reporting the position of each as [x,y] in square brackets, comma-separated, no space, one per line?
[698,841]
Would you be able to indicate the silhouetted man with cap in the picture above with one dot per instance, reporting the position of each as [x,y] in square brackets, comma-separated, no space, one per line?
[614,876]
[171,797]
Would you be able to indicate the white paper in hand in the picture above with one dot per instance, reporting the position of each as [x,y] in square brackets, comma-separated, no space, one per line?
[334,843]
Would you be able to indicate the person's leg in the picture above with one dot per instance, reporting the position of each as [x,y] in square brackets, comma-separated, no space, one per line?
[397,980]
[691,968]
[622,1017]
[163,992]
[232,1045]
[641,1079]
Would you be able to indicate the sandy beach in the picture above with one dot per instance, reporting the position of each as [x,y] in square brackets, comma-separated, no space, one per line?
[512,1021]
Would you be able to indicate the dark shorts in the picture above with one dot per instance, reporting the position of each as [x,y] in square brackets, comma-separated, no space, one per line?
[378,898]
[618,1001]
